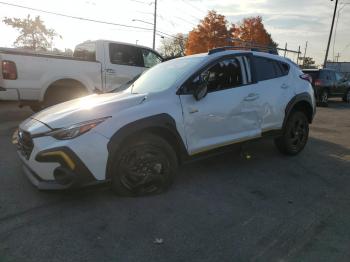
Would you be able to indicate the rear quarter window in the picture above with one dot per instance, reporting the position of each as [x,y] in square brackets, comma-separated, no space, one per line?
[269,68]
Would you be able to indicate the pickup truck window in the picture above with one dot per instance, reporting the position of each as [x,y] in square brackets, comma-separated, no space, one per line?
[164,75]
[150,58]
[120,54]
[86,51]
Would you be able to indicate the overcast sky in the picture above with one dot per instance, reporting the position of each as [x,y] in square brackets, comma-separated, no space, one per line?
[291,21]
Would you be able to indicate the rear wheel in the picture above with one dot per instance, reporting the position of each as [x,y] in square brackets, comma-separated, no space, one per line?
[36,107]
[143,166]
[346,97]
[295,134]
[60,94]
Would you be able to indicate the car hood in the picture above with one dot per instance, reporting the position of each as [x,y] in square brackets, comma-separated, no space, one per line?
[87,108]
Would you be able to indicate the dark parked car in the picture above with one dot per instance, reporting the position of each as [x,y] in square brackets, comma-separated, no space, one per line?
[329,83]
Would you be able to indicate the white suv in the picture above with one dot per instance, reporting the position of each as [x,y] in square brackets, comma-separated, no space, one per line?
[173,112]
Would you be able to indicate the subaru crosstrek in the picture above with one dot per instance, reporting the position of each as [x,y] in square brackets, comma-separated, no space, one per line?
[175,111]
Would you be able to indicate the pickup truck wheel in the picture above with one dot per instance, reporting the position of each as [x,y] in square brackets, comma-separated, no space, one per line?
[144,166]
[346,97]
[60,94]
[323,98]
[36,107]
[295,134]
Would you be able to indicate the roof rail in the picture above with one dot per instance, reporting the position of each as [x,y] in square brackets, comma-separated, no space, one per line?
[266,49]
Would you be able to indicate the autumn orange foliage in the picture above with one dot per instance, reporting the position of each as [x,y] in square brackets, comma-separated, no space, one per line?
[211,32]
[215,31]
[253,30]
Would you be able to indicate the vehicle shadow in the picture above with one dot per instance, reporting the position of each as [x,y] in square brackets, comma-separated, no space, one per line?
[338,104]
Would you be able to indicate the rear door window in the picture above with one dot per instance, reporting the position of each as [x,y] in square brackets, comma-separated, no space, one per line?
[120,54]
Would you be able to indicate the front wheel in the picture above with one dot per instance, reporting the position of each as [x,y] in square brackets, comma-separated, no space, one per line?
[323,98]
[144,166]
[295,134]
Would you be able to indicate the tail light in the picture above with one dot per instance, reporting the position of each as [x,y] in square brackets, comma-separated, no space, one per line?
[318,82]
[9,70]
[306,77]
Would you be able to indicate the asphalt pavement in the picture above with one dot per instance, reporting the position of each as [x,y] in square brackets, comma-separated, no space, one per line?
[230,207]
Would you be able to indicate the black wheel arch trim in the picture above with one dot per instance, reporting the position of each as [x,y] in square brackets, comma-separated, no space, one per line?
[152,124]
[302,97]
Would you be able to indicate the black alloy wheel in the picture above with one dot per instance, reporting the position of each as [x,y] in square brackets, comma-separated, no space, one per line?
[146,166]
[295,134]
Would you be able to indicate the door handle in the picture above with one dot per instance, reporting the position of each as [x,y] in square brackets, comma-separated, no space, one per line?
[284,86]
[109,70]
[251,97]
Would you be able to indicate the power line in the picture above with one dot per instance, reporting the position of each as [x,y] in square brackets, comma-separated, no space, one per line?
[86,19]
[198,9]
[75,17]
[188,12]
[141,2]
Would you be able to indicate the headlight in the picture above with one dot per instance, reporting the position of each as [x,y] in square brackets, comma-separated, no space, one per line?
[75,130]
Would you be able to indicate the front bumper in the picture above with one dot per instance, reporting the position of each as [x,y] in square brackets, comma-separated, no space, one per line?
[64,177]
[52,164]
[40,183]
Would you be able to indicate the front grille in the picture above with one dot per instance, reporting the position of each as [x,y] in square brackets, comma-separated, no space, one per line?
[25,143]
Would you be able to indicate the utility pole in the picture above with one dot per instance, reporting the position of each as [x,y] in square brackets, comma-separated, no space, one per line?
[305,53]
[285,49]
[337,57]
[298,55]
[330,34]
[155,24]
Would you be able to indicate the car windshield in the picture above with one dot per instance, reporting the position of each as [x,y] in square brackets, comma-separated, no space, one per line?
[164,75]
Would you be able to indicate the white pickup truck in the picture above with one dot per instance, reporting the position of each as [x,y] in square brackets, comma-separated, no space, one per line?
[40,79]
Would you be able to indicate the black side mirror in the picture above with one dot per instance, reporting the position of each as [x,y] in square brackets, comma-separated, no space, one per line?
[200,88]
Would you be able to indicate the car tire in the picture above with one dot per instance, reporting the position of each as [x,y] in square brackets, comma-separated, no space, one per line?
[36,107]
[60,94]
[323,98]
[144,165]
[346,97]
[294,135]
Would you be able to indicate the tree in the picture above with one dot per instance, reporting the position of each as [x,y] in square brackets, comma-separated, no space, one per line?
[213,31]
[34,34]
[173,47]
[307,63]
[252,30]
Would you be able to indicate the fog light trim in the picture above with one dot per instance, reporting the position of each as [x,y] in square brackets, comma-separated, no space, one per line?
[63,155]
